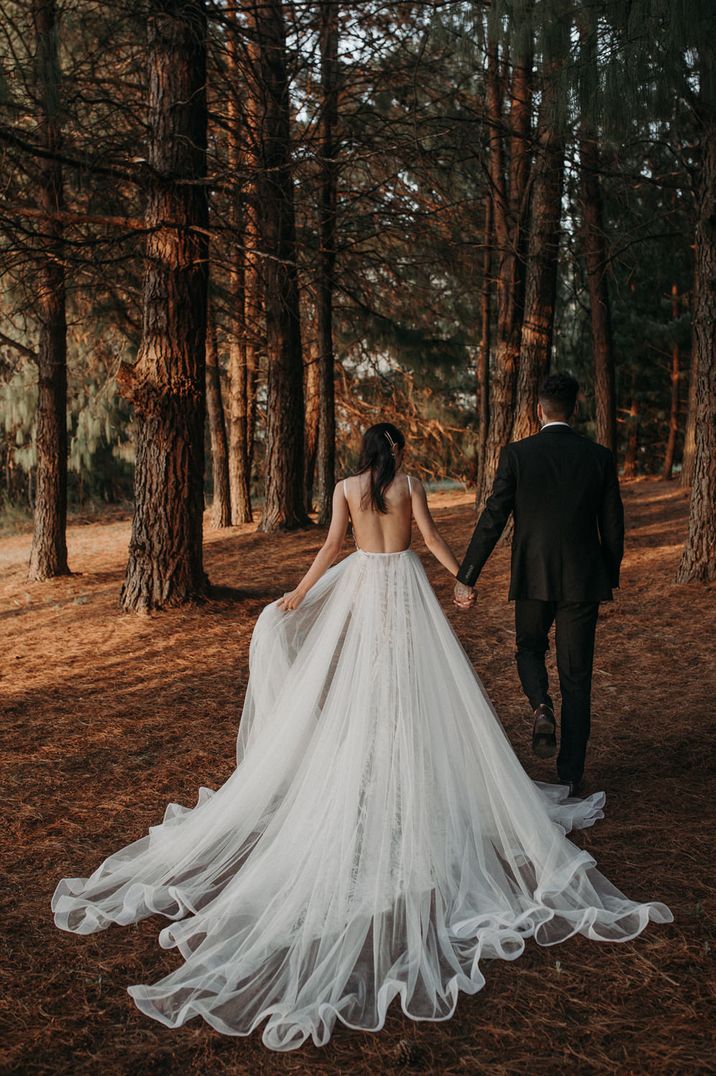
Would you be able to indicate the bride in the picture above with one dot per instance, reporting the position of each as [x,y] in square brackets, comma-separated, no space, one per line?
[379,836]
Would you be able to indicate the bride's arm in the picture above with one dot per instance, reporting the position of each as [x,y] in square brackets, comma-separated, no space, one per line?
[326,554]
[431,535]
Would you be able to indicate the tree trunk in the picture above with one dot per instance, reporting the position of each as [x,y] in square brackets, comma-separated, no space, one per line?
[284,507]
[688,454]
[596,256]
[48,556]
[312,394]
[596,259]
[542,259]
[632,446]
[327,258]
[509,221]
[221,505]
[483,358]
[670,452]
[238,153]
[167,383]
[254,329]
[698,561]
[254,317]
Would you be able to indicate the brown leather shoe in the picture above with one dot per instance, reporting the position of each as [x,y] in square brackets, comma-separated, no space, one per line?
[544,732]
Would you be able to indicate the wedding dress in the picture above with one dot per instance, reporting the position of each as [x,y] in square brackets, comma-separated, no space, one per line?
[378,837]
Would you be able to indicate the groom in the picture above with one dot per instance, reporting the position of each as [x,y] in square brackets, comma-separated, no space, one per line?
[566,552]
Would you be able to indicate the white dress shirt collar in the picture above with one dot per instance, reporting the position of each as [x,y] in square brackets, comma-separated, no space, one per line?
[557,422]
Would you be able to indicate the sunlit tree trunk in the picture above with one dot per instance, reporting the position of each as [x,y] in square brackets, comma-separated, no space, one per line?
[284,507]
[238,156]
[326,460]
[167,383]
[542,259]
[312,394]
[509,229]
[254,330]
[48,556]
[221,504]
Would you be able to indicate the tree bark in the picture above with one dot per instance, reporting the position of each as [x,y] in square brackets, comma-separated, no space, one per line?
[631,454]
[284,507]
[509,228]
[596,260]
[596,255]
[221,504]
[48,556]
[483,357]
[670,451]
[688,454]
[542,259]
[239,153]
[167,383]
[327,258]
[254,329]
[312,394]
[698,561]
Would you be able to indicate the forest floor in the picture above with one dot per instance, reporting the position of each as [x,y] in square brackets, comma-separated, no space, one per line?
[107,717]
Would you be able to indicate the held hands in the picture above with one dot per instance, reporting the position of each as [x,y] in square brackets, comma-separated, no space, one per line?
[464,597]
[292,600]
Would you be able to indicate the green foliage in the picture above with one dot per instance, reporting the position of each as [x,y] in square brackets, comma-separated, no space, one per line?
[649,229]
[412,185]
[101,453]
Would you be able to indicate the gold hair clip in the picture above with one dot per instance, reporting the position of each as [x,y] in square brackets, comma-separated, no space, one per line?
[391,442]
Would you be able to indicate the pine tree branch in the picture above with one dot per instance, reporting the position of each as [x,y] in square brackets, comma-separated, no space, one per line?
[11,138]
[17,346]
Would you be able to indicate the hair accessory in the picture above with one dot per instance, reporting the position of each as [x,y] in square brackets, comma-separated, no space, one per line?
[393,444]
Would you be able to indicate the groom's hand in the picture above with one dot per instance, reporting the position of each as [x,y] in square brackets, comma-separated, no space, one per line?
[464,597]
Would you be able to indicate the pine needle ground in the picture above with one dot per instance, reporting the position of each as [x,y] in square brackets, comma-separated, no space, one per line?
[108,717]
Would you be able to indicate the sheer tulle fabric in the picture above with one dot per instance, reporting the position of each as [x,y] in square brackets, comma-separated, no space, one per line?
[377,838]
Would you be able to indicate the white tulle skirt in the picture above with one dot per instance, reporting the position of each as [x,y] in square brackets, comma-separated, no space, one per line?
[378,837]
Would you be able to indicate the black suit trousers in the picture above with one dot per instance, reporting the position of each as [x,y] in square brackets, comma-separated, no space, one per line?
[575,628]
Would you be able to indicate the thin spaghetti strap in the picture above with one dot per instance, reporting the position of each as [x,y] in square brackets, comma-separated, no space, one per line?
[410,486]
[350,517]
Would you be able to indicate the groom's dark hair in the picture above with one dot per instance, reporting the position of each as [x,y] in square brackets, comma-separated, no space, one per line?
[558,395]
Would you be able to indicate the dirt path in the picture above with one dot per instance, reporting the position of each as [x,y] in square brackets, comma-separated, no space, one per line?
[108,717]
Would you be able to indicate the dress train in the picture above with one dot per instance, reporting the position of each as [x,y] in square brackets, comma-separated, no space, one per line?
[378,837]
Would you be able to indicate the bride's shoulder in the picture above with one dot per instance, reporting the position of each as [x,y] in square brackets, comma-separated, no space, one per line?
[345,485]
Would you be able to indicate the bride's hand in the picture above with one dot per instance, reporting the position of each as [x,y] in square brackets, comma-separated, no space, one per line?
[464,597]
[291,600]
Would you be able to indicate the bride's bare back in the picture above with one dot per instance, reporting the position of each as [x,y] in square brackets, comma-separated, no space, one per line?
[374,532]
[378,532]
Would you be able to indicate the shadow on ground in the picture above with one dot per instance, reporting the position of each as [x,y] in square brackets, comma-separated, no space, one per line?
[107,717]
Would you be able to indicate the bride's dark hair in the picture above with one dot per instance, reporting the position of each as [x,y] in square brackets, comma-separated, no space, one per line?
[378,451]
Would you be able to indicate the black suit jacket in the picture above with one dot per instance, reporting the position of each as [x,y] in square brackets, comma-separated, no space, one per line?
[569,521]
